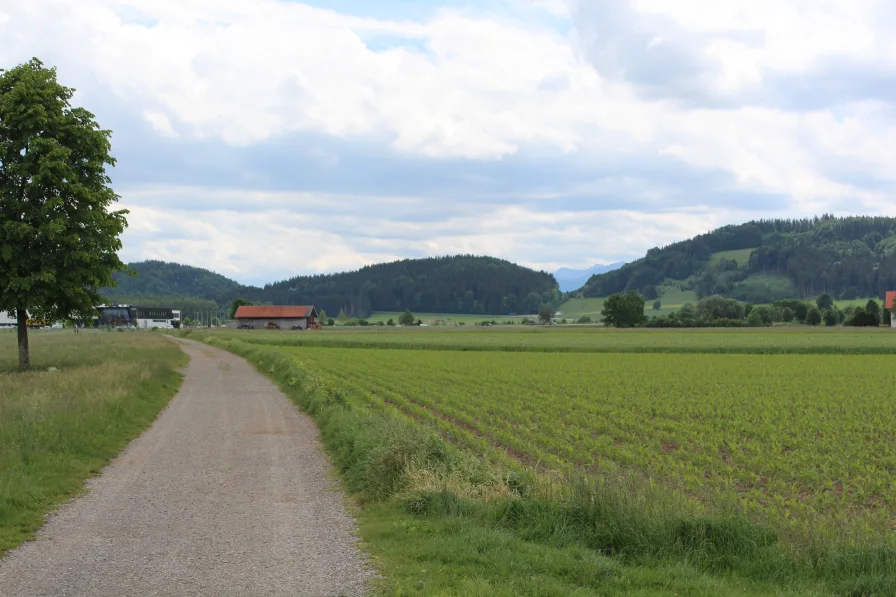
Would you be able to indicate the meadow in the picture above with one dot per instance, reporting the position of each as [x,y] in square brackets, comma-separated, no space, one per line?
[697,462]
[86,397]
[594,339]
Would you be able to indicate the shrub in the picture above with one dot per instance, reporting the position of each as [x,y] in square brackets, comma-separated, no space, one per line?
[813,316]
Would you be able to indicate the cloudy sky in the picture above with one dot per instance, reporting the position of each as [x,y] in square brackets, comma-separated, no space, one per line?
[268,138]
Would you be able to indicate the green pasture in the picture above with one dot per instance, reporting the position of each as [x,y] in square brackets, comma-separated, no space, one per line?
[86,397]
[596,339]
[741,256]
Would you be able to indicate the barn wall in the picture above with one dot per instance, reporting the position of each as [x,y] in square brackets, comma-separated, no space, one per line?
[285,324]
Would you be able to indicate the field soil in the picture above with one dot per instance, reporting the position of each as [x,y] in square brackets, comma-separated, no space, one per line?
[229,493]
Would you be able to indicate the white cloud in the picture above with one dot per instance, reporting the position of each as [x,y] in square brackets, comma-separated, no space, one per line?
[257,246]
[714,86]
[160,123]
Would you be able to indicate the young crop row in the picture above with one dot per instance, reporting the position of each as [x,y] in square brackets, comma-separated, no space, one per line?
[807,443]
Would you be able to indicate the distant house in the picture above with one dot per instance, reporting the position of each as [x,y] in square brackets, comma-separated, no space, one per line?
[891,305]
[277,318]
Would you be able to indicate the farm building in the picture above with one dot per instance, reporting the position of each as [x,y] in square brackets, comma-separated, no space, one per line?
[891,305]
[277,318]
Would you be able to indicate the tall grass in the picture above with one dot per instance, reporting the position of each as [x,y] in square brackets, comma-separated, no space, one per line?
[86,397]
[430,505]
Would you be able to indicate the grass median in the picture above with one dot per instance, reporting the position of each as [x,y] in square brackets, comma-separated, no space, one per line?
[87,396]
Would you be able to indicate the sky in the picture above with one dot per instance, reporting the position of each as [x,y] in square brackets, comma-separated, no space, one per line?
[264,139]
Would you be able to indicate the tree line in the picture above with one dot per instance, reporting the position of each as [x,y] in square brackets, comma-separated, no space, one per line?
[627,310]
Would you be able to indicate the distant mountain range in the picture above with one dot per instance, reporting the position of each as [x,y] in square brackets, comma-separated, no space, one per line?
[573,279]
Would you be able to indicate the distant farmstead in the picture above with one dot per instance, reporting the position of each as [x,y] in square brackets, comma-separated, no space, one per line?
[277,318]
[891,305]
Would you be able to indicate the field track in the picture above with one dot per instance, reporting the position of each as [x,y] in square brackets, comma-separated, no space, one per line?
[229,493]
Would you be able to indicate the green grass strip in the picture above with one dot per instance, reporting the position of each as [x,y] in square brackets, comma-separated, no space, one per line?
[58,427]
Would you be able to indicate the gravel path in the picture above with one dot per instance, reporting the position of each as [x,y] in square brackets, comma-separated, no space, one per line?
[229,493]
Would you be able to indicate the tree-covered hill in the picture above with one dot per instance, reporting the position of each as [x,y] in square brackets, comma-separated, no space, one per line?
[459,284]
[162,279]
[767,260]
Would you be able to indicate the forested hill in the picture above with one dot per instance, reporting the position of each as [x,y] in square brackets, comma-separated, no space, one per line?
[162,279]
[845,257]
[459,284]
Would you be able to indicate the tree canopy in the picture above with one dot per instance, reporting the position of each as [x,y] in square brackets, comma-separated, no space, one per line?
[406,318]
[59,240]
[624,310]
[236,304]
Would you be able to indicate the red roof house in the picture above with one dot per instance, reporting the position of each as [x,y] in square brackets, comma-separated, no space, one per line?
[276,318]
[891,300]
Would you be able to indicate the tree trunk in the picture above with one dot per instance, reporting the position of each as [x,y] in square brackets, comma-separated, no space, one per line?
[24,354]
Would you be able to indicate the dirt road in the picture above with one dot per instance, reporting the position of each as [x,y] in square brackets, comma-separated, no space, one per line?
[228,493]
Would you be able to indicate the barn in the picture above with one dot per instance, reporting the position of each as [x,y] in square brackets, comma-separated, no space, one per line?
[276,318]
[891,305]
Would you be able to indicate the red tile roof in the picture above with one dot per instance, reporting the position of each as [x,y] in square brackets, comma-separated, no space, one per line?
[261,312]
[891,299]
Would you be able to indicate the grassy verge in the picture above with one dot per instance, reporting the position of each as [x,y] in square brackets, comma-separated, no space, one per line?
[58,427]
[440,521]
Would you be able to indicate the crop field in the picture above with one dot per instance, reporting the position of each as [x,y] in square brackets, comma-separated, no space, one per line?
[787,431]
[805,442]
[781,340]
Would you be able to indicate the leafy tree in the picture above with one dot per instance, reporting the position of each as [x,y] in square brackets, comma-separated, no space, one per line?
[419,322]
[761,314]
[813,316]
[545,313]
[237,303]
[657,305]
[406,318]
[650,292]
[801,311]
[824,301]
[624,310]
[887,317]
[873,308]
[342,317]
[830,317]
[786,315]
[748,308]
[862,318]
[390,322]
[756,318]
[330,322]
[584,319]
[59,241]
[719,307]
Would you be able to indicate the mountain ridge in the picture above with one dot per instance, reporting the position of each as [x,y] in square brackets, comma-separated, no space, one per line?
[570,279]
[766,260]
